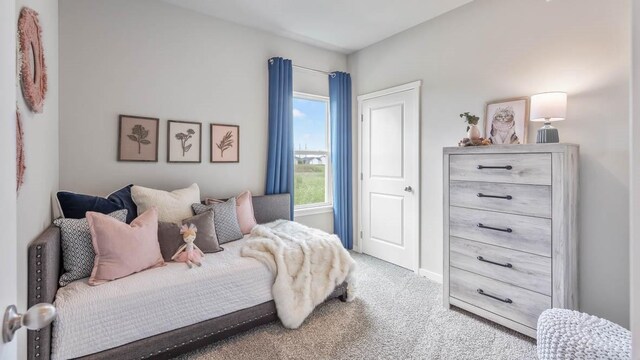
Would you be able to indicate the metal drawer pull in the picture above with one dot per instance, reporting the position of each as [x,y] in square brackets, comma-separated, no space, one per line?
[507,265]
[508,167]
[508,230]
[507,197]
[505,300]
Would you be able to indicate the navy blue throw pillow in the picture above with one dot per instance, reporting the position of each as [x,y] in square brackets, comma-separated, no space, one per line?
[75,206]
[123,198]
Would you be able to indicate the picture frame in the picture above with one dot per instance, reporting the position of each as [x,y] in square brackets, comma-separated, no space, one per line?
[182,138]
[507,121]
[138,138]
[225,143]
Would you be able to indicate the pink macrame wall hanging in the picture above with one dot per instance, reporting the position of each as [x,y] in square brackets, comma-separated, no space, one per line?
[20,166]
[33,72]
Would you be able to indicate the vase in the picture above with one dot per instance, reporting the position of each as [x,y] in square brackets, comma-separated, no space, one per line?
[474,132]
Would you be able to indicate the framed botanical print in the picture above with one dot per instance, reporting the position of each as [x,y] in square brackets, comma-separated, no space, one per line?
[138,138]
[184,141]
[225,143]
[507,121]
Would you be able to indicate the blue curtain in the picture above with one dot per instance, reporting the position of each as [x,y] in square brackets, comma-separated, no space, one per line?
[280,152]
[340,104]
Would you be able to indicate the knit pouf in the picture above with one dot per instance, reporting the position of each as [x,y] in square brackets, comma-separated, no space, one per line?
[568,334]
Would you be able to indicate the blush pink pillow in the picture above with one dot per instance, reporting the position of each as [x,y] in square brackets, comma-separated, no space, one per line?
[123,249]
[244,211]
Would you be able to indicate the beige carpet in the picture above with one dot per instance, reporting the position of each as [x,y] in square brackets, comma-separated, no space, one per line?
[397,315]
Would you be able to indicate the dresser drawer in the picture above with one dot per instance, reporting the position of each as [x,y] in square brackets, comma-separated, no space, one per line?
[517,232]
[534,200]
[532,169]
[532,272]
[514,303]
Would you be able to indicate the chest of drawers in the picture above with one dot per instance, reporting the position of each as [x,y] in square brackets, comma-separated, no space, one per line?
[510,231]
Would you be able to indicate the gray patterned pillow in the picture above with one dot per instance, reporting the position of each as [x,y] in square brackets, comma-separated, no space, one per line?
[77,249]
[225,219]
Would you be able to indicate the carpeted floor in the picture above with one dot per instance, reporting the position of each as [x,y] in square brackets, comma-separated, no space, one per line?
[397,315]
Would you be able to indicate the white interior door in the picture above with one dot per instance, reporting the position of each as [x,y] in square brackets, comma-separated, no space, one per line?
[8,244]
[390,174]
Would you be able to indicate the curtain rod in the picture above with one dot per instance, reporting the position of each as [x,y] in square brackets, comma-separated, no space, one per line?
[332,74]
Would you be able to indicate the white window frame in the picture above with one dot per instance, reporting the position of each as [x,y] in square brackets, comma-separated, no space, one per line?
[327,205]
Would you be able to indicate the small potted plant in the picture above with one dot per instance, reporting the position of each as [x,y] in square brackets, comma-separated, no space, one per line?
[474,135]
[473,132]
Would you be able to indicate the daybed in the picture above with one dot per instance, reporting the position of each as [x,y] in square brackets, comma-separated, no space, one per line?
[158,313]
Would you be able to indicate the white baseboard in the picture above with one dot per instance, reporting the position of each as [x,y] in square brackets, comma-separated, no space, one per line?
[430,275]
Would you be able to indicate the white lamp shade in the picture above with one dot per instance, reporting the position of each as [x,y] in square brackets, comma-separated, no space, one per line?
[551,106]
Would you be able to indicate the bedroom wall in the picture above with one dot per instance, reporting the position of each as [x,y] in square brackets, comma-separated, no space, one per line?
[34,210]
[8,263]
[634,199]
[486,50]
[153,59]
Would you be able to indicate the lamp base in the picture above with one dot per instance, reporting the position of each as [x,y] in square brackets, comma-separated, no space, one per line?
[547,134]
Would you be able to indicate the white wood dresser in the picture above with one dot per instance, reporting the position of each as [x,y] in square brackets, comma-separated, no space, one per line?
[510,231]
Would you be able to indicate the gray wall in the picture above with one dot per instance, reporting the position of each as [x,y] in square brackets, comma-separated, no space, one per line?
[8,263]
[153,59]
[41,150]
[493,49]
[635,184]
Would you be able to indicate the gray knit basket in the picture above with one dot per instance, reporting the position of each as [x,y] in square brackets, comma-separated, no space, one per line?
[568,334]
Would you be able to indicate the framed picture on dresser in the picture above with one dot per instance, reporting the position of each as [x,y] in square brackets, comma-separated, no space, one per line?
[184,141]
[507,121]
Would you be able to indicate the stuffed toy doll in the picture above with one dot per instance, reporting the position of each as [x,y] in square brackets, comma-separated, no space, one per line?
[189,252]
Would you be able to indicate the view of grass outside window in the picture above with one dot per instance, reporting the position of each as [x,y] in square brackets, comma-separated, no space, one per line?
[310,138]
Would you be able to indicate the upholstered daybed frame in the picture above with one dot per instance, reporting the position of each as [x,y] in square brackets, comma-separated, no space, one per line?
[45,264]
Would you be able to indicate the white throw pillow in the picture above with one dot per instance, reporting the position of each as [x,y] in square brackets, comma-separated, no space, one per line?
[172,206]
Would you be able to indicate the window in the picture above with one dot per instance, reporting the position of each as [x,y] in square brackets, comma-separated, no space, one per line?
[311,139]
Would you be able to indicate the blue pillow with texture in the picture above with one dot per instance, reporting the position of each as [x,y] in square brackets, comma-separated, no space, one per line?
[75,206]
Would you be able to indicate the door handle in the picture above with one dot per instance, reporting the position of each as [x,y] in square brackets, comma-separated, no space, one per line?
[37,317]
[408,189]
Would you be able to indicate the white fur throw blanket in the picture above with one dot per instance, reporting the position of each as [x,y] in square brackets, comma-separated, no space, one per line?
[307,263]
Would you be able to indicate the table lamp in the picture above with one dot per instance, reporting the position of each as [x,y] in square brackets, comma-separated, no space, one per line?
[548,107]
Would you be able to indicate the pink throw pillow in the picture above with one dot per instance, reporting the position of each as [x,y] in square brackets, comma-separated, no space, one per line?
[244,211]
[123,249]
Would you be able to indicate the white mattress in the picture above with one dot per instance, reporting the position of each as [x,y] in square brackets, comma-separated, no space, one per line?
[96,318]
